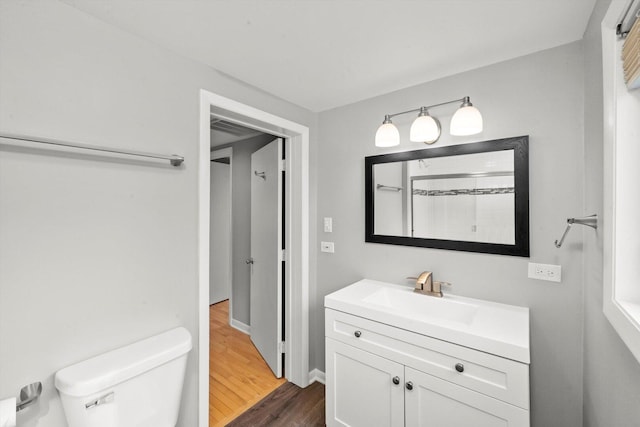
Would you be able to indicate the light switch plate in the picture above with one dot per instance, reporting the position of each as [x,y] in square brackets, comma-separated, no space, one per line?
[328,224]
[550,272]
[327,247]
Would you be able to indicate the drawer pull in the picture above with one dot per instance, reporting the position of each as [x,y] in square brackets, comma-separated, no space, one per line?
[396,380]
[459,367]
[409,385]
[357,334]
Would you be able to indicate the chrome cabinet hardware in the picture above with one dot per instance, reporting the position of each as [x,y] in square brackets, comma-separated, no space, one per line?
[357,334]
[409,385]
[249,261]
[396,380]
[459,367]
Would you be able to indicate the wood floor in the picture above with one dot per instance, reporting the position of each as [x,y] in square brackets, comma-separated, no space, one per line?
[238,376]
[289,405]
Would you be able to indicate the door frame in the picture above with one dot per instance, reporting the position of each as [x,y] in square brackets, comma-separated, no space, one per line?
[296,229]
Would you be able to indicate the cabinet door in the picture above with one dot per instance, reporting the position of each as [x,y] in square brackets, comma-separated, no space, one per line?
[361,389]
[430,401]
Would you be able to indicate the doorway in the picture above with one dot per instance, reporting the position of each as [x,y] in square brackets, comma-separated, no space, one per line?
[296,208]
[246,241]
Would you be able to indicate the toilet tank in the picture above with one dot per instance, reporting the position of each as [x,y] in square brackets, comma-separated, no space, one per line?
[137,385]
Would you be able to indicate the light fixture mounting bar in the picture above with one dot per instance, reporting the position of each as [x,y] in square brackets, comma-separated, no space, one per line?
[465,99]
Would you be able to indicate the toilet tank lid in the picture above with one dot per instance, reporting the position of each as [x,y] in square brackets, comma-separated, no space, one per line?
[116,366]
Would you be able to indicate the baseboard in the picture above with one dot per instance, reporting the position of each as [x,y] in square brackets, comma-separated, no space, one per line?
[246,329]
[316,375]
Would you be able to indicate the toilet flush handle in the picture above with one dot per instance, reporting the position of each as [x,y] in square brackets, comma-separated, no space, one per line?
[99,401]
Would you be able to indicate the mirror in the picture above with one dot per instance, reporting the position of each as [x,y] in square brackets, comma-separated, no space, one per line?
[468,197]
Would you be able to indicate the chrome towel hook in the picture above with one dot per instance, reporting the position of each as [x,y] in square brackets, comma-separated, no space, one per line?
[589,221]
[262,175]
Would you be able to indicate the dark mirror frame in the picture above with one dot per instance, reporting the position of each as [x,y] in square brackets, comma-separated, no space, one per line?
[520,146]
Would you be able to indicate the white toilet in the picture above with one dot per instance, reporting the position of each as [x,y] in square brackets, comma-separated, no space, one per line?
[138,385]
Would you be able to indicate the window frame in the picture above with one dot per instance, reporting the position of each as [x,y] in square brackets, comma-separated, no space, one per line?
[618,284]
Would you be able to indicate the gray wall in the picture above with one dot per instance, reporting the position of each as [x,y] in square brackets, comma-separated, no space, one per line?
[241,223]
[611,373]
[96,254]
[219,232]
[540,95]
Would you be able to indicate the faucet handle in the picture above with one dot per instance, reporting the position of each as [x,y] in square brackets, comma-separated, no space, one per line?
[437,286]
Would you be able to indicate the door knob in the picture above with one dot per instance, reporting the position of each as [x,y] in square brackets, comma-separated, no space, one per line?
[409,385]
[396,380]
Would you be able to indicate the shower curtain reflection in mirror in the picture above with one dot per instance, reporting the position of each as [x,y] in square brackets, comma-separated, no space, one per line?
[472,209]
[468,198]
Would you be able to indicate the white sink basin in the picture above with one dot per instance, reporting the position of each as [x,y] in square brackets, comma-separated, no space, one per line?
[494,328]
[429,309]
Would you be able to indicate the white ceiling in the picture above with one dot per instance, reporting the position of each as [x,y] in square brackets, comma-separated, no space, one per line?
[322,54]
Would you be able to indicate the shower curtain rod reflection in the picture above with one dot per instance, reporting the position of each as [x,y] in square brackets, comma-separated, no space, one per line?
[173,159]
[388,188]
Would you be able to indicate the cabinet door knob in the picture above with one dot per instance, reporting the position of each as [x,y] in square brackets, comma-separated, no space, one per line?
[396,380]
[409,385]
[459,367]
[357,334]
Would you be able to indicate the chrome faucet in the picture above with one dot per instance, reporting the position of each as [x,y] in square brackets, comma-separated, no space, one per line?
[427,286]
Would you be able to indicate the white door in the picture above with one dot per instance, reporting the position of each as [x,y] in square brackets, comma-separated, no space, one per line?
[363,389]
[266,244]
[431,401]
[220,232]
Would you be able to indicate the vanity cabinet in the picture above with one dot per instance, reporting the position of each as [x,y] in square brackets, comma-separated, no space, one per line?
[366,390]
[381,375]
[435,402]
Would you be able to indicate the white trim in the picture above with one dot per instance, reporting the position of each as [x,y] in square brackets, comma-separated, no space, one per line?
[622,315]
[242,327]
[297,232]
[203,261]
[317,375]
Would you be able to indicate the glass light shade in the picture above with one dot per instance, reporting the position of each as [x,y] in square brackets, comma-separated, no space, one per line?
[387,135]
[424,129]
[466,121]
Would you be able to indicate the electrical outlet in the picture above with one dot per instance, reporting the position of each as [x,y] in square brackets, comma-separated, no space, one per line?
[550,272]
[327,247]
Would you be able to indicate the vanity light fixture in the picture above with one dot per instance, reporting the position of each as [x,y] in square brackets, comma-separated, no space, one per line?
[387,134]
[467,120]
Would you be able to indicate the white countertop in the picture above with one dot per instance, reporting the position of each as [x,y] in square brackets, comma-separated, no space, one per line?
[487,326]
